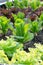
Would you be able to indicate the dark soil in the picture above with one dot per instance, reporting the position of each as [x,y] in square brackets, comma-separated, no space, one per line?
[41,0]
[3,6]
[37,39]
[3,36]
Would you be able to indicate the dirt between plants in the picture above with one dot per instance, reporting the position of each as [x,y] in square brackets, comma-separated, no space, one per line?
[37,39]
[3,36]
[29,13]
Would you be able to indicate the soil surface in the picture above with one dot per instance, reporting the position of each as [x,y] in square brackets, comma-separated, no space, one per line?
[2,36]
[37,39]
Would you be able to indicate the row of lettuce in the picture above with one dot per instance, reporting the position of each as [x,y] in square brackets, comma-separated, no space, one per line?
[34,4]
[22,29]
[14,50]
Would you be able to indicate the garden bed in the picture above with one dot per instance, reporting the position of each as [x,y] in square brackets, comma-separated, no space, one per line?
[21,26]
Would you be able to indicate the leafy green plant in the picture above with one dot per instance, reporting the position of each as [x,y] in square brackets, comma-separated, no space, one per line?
[16,3]
[41,19]
[21,31]
[34,57]
[3,57]
[4,22]
[41,63]
[8,4]
[19,15]
[34,4]
[31,58]
[35,27]
[9,47]
[21,3]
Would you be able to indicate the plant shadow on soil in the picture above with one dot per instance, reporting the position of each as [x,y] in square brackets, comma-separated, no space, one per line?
[2,36]
[37,39]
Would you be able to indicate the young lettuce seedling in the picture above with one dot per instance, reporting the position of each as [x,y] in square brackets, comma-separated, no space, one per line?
[21,31]
[4,22]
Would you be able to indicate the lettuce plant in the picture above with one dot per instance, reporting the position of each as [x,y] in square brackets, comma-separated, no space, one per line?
[21,31]
[34,4]
[31,58]
[41,19]
[19,15]
[35,27]
[41,63]
[9,47]
[21,3]
[3,57]
[8,4]
[24,58]
[4,24]
[34,57]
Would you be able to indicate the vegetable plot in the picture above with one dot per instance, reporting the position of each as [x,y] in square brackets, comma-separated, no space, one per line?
[21,32]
